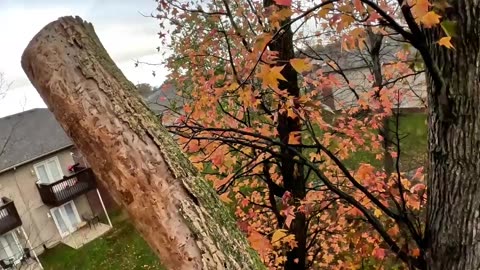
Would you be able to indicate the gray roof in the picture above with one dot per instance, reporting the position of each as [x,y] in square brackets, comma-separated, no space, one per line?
[162,98]
[29,135]
[356,58]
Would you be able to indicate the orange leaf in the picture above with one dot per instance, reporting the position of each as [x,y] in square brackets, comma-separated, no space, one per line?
[224,198]
[259,243]
[415,252]
[294,137]
[300,65]
[430,19]
[394,231]
[419,8]
[446,42]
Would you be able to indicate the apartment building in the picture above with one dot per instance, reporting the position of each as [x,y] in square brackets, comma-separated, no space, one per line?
[44,198]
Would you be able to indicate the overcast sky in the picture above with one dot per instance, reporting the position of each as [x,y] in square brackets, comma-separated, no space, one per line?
[126,35]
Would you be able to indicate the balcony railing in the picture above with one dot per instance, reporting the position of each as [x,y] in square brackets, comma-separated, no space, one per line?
[9,218]
[68,188]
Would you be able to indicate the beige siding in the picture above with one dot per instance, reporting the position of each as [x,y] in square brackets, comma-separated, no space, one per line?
[83,206]
[413,89]
[20,186]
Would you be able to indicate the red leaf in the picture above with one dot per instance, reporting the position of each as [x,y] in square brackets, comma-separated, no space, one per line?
[379,253]
[284,2]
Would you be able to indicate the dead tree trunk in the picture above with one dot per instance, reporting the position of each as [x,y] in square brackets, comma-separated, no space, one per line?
[175,210]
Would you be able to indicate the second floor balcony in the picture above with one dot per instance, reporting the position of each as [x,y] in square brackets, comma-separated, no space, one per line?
[9,218]
[68,188]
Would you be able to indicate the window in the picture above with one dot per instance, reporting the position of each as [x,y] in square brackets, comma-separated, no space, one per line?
[48,171]
[10,247]
[66,218]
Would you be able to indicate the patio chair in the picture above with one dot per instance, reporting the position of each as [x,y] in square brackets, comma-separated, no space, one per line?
[6,264]
[26,255]
[92,220]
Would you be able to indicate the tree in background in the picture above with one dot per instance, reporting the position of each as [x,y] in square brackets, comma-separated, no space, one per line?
[4,88]
[254,77]
[144,89]
[4,85]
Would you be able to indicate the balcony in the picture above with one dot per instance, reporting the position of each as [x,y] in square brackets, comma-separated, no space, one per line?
[68,188]
[9,218]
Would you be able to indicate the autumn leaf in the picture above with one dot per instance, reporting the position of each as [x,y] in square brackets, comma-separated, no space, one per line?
[277,236]
[289,216]
[415,252]
[328,258]
[294,137]
[430,19]
[270,75]
[394,231]
[446,42]
[262,41]
[379,253]
[419,8]
[325,10]
[259,243]
[283,2]
[377,212]
[224,198]
[300,64]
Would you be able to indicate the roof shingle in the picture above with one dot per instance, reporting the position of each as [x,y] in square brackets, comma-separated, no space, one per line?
[29,135]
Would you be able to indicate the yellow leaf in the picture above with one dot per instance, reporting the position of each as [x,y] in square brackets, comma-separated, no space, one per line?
[446,42]
[262,41]
[277,236]
[270,75]
[325,10]
[232,87]
[377,212]
[430,19]
[300,65]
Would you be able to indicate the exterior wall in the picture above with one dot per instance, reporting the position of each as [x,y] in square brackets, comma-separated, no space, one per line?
[108,200]
[413,89]
[20,186]
[340,96]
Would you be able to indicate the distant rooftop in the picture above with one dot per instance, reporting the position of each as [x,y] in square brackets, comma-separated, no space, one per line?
[29,135]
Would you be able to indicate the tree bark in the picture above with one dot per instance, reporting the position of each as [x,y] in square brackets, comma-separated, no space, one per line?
[292,172]
[453,221]
[175,210]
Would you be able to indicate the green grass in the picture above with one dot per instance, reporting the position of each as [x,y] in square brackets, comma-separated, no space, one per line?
[120,248]
[413,143]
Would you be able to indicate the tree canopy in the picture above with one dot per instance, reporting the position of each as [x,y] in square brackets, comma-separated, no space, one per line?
[292,109]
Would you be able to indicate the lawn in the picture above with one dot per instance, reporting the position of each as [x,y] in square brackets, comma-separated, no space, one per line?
[413,144]
[120,248]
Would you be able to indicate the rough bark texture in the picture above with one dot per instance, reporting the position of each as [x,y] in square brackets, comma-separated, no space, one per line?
[453,224]
[292,172]
[175,210]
